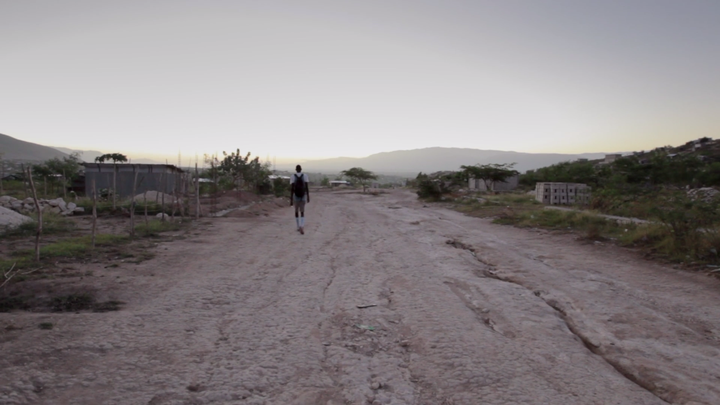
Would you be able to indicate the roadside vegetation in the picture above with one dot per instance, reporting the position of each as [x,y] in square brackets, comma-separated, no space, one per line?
[673,189]
[124,232]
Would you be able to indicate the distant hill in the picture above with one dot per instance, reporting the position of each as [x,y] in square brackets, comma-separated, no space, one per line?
[85,155]
[15,149]
[429,160]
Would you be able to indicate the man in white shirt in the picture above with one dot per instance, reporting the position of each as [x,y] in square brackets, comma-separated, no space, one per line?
[299,195]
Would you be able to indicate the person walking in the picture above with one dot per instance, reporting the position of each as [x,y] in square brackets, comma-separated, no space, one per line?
[299,196]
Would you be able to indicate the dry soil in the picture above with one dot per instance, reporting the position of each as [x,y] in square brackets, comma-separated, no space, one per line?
[382,301]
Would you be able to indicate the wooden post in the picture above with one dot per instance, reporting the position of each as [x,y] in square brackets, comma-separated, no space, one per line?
[114,186]
[163,180]
[145,202]
[94,213]
[39,214]
[25,181]
[197,193]
[64,184]
[132,203]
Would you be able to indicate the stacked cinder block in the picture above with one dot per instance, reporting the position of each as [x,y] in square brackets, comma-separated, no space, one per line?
[562,193]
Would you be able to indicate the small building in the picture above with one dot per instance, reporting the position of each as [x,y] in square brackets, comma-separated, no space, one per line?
[168,179]
[611,158]
[553,193]
[335,183]
[479,184]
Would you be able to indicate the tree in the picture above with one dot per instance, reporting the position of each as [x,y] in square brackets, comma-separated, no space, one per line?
[235,166]
[359,175]
[258,175]
[325,182]
[59,170]
[115,157]
[490,174]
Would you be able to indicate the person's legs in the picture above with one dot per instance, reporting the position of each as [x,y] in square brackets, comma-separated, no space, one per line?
[300,207]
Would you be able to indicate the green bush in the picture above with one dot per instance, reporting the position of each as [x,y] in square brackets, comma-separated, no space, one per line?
[431,189]
[281,187]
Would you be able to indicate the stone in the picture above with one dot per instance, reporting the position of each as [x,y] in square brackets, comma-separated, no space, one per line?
[79,210]
[11,219]
[71,206]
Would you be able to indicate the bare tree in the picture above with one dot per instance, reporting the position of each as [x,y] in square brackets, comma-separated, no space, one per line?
[94,213]
[39,214]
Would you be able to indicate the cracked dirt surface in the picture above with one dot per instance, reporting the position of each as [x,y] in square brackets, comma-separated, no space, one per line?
[466,312]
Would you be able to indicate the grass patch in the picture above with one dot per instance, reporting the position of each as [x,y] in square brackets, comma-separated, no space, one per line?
[156,227]
[46,325]
[107,306]
[72,302]
[498,206]
[53,224]
[8,304]
[105,207]
[81,246]
[71,248]
[701,245]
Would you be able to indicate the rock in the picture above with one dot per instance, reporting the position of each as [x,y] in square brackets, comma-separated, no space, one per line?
[705,193]
[376,385]
[162,214]
[79,210]
[11,219]
[5,199]
[71,206]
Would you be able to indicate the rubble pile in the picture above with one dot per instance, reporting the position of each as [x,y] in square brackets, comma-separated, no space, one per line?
[706,194]
[26,206]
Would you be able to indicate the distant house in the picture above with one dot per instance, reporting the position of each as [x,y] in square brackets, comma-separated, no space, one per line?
[12,177]
[611,158]
[274,176]
[335,183]
[165,178]
[479,184]
[562,193]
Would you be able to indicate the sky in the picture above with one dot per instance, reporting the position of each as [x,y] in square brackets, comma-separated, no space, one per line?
[297,80]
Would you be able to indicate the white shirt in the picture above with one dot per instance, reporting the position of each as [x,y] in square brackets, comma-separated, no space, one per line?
[296,175]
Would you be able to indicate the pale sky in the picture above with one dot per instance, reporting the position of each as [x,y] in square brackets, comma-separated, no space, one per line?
[314,79]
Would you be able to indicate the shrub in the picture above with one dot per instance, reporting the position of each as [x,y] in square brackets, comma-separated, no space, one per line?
[431,189]
[281,187]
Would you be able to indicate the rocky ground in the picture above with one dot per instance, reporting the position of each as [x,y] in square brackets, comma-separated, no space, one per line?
[382,301]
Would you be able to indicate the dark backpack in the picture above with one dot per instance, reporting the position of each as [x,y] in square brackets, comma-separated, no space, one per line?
[299,186]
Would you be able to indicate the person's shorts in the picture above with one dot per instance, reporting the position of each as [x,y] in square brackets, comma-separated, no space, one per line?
[299,203]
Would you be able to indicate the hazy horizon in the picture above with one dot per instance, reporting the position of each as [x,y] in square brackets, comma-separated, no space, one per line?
[322,79]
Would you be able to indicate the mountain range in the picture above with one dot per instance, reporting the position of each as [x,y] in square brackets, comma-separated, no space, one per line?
[17,150]
[430,160]
[401,162]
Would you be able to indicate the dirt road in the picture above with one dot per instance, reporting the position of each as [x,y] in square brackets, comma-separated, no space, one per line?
[248,311]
